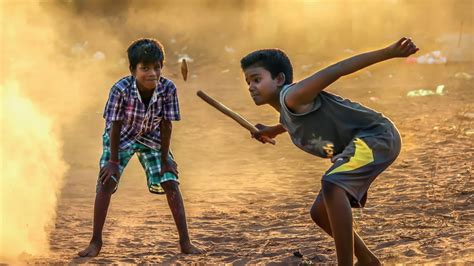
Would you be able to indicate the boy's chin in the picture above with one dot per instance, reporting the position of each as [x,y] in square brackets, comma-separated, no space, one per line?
[149,86]
[258,103]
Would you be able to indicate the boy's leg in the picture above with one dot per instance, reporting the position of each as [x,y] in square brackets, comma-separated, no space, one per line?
[320,217]
[339,213]
[102,198]
[175,202]
[101,205]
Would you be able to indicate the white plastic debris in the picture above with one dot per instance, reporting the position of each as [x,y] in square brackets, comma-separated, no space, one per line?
[463,75]
[79,48]
[421,92]
[435,57]
[185,57]
[99,56]
[229,49]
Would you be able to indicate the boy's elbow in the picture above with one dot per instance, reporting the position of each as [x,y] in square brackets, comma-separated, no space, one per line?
[165,123]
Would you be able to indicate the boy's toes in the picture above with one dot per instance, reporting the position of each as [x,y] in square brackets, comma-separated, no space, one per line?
[91,251]
[191,249]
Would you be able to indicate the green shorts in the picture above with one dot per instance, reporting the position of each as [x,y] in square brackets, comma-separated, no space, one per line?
[149,158]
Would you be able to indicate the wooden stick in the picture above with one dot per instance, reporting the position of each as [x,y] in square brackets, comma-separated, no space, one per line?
[232,114]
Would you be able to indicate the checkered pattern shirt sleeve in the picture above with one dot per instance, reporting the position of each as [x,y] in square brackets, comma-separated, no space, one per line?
[171,104]
[114,109]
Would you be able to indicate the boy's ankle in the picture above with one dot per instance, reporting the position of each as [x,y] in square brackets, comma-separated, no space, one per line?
[96,240]
[185,241]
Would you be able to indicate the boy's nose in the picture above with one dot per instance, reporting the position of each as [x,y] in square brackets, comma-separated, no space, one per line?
[155,73]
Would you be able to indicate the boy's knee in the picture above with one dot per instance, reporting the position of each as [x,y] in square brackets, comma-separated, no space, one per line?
[316,213]
[108,187]
[170,186]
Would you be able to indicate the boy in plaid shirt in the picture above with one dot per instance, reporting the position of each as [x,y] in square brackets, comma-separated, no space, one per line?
[138,117]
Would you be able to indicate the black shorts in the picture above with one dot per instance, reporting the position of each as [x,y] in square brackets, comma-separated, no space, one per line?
[357,166]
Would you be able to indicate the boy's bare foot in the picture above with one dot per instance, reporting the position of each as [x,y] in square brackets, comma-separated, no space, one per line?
[372,261]
[92,250]
[189,248]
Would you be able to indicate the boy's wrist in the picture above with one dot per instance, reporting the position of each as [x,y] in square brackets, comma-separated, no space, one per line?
[387,53]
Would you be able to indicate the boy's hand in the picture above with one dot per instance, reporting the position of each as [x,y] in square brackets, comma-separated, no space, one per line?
[402,48]
[264,133]
[109,170]
[168,166]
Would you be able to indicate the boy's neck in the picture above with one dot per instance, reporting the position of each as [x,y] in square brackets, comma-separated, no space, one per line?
[275,102]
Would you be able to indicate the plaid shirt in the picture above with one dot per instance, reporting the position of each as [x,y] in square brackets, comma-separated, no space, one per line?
[140,124]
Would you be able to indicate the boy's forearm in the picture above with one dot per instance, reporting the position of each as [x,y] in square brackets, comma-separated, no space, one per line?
[358,62]
[115,140]
[165,134]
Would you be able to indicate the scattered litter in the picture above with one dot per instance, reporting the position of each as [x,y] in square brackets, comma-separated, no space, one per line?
[463,75]
[439,89]
[468,116]
[297,254]
[421,92]
[374,99]
[122,61]
[229,49]
[434,57]
[306,67]
[185,57]
[99,55]
[469,132]
[79,48]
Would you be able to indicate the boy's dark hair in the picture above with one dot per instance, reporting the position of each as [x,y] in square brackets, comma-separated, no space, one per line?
[273,60]
[146,51]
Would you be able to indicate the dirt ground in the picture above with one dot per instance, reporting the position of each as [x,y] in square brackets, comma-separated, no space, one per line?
[249,203]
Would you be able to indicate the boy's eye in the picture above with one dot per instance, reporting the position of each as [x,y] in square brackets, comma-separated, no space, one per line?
[145,68]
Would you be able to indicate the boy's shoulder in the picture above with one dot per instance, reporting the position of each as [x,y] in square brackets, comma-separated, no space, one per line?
[167,85]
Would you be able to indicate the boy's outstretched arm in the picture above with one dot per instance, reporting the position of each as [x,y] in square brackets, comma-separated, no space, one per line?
[303,93]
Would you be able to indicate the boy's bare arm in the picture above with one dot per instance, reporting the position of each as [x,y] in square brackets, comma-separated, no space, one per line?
[111,168]
[115,140]
[165,135]
[303,93]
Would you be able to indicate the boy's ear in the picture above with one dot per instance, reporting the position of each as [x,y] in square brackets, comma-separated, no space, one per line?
[132,71]
[281,79]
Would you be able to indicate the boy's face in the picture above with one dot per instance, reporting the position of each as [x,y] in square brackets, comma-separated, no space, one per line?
[262,87]
[147,75]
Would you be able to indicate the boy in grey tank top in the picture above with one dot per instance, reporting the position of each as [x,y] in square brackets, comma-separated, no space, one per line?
[360,142]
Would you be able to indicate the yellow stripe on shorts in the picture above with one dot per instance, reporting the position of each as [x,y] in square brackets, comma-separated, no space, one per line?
[363,155]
